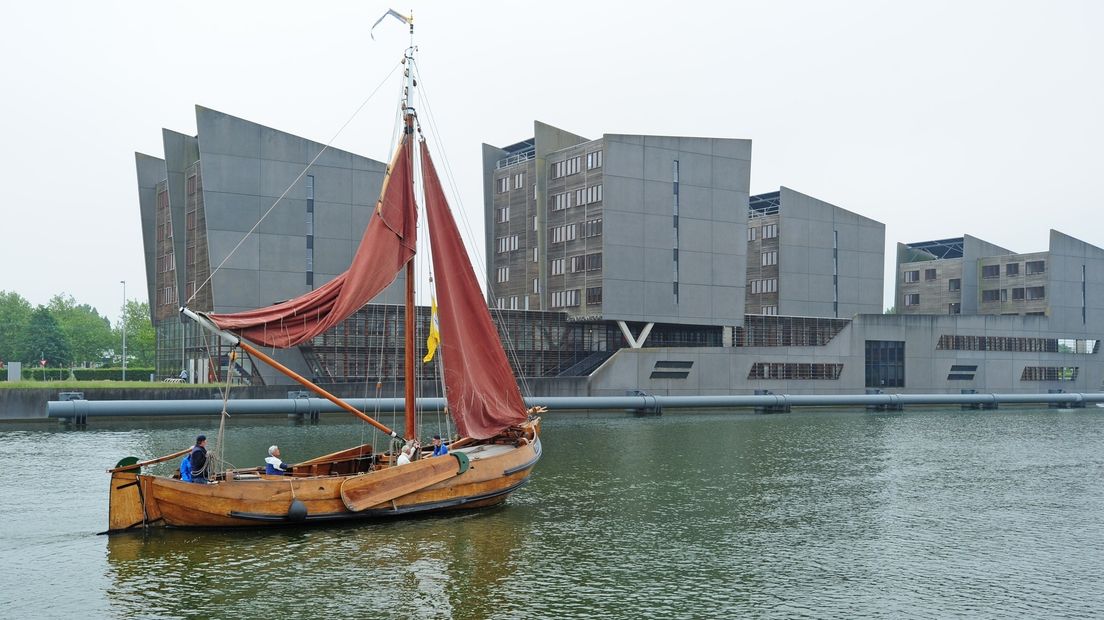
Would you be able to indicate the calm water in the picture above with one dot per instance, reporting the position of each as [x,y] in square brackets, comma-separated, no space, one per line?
[810,514]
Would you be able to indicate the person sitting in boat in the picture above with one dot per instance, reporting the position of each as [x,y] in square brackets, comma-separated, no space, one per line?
[273,465]
[199,460]
[407,454]
[439,449]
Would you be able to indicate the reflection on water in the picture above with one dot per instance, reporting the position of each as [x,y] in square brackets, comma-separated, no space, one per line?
[810,514]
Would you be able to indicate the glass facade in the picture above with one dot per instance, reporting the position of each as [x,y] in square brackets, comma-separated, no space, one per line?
[885,363]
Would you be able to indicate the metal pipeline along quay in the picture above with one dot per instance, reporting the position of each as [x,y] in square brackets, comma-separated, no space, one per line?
[79,410]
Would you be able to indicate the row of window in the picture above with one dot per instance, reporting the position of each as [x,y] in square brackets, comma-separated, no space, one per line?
[1012,270]
[791,370]
[570,165]
[770,231]
[565,299]
[914,275]
[582,262]
[769,310]
[769,258]
[506,244]
[577,198]
[504,184]
[166,262]
[1017,344]
[1018,294]
[769,285]
[1049,373]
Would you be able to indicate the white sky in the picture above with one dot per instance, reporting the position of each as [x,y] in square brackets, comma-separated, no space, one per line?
[938,118]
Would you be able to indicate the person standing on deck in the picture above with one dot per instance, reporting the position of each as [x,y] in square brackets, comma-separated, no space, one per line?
[199,460]
[273,465]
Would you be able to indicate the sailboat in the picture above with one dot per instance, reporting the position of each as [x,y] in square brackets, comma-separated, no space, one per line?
[499,441]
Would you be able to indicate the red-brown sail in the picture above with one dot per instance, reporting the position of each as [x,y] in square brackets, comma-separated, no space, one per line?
[483,395]
[387,245]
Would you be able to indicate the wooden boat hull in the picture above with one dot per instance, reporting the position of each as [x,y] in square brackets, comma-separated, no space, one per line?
[494,471]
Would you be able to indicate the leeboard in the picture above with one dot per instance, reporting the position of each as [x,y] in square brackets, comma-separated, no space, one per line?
[367,490]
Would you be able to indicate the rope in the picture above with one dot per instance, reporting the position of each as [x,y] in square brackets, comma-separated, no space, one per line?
[285,192]
[511,350]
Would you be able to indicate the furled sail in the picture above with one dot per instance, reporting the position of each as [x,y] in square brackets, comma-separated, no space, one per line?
[387,245]
[483,395]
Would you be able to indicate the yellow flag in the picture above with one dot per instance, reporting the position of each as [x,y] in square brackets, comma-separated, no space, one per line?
[434,336]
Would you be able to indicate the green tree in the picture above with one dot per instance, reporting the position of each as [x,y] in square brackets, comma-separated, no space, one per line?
[44,337]
[141,337]
[15,316]
[89,334]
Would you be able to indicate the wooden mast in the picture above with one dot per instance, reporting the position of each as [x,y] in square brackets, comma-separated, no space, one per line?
[409,431]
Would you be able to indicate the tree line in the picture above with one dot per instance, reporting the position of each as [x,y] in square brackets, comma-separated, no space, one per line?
[67,334]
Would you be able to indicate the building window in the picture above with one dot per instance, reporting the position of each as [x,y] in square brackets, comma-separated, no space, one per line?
[566,168]
[504,214]
[503,274]
[1017,294]
[560,201]
[536,285]
[1034,267]
[954,308]
[990,271]
[506,244]
[885,363]
[770,231]
[1049,373]
[912,299]
[929,274]
[501,304]
[504,184]
[557,266]
[514,302]
[563,233]
[1036,292]
[594,294]
[1012,270]
[536,255]
[519,180]
[993,295]
[795,370]
[565,299]
[954,284]
[769,310]
[912,276]
[594,194]
[594,160]
[751,232]
[770,258]
[592,228]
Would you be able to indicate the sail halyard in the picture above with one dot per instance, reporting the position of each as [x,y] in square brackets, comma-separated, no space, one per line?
[480,386]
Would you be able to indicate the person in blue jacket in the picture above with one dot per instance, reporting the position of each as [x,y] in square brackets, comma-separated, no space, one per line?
[186,468]
[199,460]
[439,449]
[273,465]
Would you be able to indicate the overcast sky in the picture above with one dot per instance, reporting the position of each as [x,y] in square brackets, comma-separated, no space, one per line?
[936,118]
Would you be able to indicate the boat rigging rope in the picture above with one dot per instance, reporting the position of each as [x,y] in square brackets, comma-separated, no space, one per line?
[510,348]
[301,174]
[219,448]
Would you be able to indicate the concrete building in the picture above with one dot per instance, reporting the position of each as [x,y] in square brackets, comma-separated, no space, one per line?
[644,231]
[233,219]
[970,276]
[811,258]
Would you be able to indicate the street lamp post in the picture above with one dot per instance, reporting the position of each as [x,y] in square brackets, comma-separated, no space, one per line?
[123,282]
